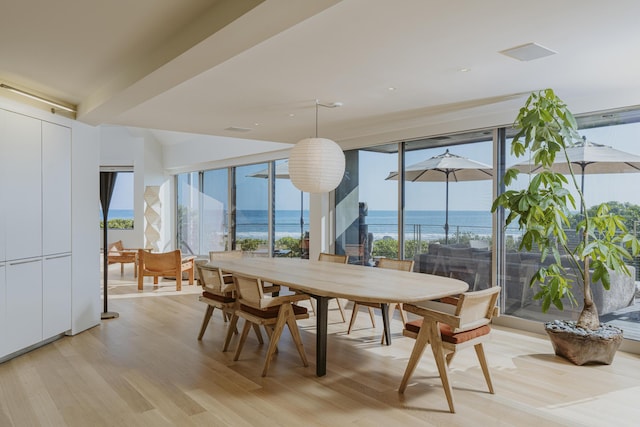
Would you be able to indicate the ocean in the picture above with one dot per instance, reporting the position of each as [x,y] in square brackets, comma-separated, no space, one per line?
[423,225]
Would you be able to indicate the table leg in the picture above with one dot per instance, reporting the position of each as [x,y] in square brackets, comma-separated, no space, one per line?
[322,304]
[385,322]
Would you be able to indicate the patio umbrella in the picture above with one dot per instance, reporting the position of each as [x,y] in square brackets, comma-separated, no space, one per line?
[282,172]
[444,168]
[592,158]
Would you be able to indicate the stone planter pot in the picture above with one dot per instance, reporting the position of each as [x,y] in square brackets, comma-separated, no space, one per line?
[580,346]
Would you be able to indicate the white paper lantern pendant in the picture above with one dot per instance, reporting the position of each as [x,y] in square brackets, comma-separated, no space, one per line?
[316,165]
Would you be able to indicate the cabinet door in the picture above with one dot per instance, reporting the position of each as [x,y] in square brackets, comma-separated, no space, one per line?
[56,295]
[3,310]
[3,183]
[24,304]
[56,189]
[23,186]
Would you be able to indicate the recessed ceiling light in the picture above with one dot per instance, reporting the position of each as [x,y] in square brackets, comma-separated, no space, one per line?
[464,69]
[391,88]
[528,52]
[292,115]
[256,124]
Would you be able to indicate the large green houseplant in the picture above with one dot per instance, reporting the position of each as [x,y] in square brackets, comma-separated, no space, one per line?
[546,128]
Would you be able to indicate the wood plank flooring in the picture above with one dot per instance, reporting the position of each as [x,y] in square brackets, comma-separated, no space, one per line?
[146,368]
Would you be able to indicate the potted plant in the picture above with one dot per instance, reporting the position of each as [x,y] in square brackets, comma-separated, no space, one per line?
[546,128]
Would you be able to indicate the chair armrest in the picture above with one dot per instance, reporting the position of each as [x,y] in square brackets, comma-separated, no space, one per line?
[275,301]
[435,311]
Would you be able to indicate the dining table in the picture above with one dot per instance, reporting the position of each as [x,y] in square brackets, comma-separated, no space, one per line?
[324,281]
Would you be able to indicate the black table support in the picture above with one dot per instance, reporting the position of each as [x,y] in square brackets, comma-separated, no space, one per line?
[385,322]
[322,304]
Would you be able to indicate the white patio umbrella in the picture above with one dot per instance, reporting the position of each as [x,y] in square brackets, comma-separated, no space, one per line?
[282,172]
[444,168]
[591,158]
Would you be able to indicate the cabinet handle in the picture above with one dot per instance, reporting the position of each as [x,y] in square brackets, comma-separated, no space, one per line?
[25,262]
[57,256]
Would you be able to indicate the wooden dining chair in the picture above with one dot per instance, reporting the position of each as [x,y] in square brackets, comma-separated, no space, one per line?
[340,259]
[259,308]
[170,264]
[218,291]
[451,326]
[395,264]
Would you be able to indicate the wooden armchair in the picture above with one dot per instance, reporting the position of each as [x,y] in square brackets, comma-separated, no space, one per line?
[116,253]
[258,308]
[170,264]
[448,328]
[395,264]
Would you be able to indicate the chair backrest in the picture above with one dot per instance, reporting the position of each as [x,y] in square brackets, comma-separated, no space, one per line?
[249,290]
[477,308]
[396,264]
[213,281]
[116,246]
[340,259]
[221,255]
[164,261]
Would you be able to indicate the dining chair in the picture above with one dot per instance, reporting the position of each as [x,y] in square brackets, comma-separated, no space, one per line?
[340,259]
[450,326]
[390,263]
[259,308]
[218,291]
[170,264]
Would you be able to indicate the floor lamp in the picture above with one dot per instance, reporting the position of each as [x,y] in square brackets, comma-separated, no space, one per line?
[107,184]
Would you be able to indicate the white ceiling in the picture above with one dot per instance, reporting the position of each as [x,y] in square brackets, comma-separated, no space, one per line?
[203,66]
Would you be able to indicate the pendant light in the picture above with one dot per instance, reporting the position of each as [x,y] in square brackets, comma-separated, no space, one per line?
[316,165]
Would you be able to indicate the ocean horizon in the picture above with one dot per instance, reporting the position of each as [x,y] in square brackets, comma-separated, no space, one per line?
[419,224]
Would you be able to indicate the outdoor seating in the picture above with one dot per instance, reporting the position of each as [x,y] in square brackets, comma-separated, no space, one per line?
[167,264]
[117,253]
[449,328]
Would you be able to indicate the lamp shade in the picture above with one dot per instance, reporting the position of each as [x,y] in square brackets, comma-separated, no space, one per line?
[316,165]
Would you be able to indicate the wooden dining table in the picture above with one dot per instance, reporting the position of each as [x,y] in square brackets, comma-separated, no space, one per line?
[323,281]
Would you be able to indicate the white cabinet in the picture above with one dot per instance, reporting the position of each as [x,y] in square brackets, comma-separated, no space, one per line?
[22,184]
[35,231]
[56,295]
[56,189]
[24,304]
[3,183]
[3,309]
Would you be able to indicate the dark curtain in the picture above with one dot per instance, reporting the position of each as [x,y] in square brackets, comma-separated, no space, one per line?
[107,183]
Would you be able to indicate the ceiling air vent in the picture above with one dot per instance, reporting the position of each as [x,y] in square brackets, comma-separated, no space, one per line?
[528,52]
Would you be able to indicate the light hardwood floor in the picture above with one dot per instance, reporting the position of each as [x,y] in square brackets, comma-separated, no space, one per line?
[146,368]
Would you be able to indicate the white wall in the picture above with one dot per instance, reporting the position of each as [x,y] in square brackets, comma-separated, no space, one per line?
[119,147]
[85,230]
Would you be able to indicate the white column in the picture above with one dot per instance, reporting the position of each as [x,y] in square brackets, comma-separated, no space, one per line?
[321,218]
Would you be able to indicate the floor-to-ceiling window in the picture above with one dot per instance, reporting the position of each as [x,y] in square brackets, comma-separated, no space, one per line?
[448,196]
[367,206]
[215,210]
[188,212]
[252,208]
[291,212]
[611,179]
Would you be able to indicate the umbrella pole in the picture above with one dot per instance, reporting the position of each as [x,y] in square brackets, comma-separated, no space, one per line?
[301,221]
[446,212]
